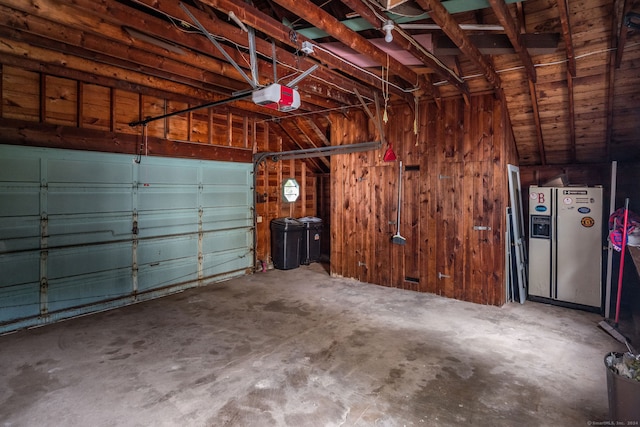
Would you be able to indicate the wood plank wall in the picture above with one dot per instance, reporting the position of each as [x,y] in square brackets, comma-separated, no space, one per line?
[454,178]
[59,112]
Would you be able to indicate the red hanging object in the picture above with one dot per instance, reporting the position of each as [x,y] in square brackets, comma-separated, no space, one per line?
[389,155]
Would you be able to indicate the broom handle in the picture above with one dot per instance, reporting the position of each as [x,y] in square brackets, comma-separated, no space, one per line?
[622,249]
[399,198]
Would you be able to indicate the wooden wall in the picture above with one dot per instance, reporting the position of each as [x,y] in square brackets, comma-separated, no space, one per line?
[270,203]
[62,112]
[454,180]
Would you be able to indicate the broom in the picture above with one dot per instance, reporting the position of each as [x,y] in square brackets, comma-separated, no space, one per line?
[397,239]
[603,324]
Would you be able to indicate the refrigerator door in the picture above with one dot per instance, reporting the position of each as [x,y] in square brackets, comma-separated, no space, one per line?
[578,245]
[540,234]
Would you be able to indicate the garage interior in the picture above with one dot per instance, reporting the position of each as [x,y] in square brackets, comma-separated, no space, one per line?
[146,148]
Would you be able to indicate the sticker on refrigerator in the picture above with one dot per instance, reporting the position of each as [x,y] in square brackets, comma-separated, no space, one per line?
[541,208]
[584,210]
[568,200]
[587,221]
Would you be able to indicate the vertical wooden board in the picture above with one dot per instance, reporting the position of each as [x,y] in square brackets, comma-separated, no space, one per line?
[20,94]
[238,136]
[127,110]
[153,107]
[177,126]
[337,217]
[470,252]
[453,132]
[497,242]
[489,135]
[411,228]
[363,223]
[200,126]
[431,169]
[96,107]
[396,252]
[470,125]
[61,101]
[447,230]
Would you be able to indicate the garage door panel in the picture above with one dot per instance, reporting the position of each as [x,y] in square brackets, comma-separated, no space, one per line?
[219,263]
[19,268]
[19,233]
[20,300]
[69,292]
[226,218]
[79,171]
[167,198]
[159,250]
[165,273]
[221,241]
[153,173]
[67,230]
[21,200]
[83,199]
[88,231]
[161,223]
[224,196]
[227,175]
[79,260]
[16,167]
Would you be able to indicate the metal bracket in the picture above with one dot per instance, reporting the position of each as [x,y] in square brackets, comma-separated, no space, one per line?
[443,176]
[440,276]
[481,228]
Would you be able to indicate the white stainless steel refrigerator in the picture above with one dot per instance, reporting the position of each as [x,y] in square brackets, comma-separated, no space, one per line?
[565,245]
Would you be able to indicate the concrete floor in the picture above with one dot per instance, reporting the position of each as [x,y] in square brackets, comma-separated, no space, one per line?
[299,348]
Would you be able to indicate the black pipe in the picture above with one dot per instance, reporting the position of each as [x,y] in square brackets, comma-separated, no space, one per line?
[187,110]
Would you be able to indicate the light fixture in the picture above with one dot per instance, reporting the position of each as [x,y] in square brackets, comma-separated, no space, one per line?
[387,28]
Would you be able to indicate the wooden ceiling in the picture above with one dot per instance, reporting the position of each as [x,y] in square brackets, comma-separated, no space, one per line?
[574,102]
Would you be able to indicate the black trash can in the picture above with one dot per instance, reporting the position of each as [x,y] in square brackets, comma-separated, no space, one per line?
[310,239]
[286,240]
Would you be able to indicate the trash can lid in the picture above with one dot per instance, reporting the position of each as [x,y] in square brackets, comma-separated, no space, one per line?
[286,221]
[310,219]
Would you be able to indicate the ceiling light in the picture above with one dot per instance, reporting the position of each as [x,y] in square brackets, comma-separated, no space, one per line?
[387,28]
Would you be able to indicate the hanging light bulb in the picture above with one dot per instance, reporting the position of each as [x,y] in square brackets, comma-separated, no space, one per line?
[388,27]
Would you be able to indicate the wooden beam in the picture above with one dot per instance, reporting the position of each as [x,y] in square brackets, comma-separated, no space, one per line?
[617,20]
[316,16]
[407,42]
[513,32]
[563,10]
[533,94]
[199,62]
[253,17]
[622,35]
[445,20]
[20,132]
[572,119]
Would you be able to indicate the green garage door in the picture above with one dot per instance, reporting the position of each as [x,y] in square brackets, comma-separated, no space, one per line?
[85,231]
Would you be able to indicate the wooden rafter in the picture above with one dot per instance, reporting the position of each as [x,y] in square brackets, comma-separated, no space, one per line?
[622,34]
[321,19]
[445,20]
[274,29]
[407,42]
[513,32]
[533,93]
[572,119]
[563,10]
[617,21]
